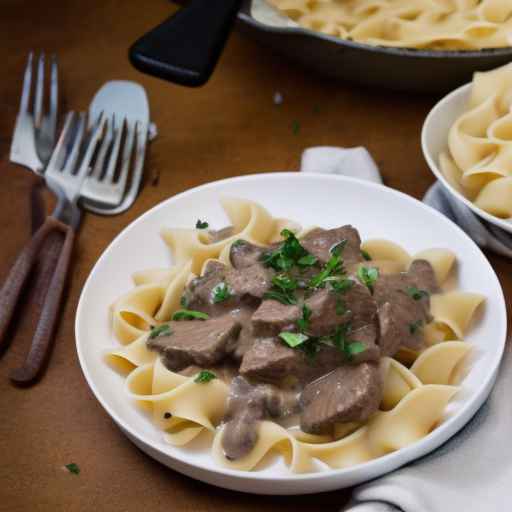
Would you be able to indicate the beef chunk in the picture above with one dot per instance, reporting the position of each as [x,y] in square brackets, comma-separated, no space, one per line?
[272,317]
[244,284]
[330,309]
[244,254]
[401,314]
[270,359]
[244,342]
[196,342]
[349,393]
[247,405]
[367,335]
[319,242]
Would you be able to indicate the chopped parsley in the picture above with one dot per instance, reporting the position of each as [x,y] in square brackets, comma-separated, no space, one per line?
[332,267]
[366,255]
[282,290]
[73,468]
[340,339]
[204,376]
[189,314]
[338,248]
[415,326]
[220,293]
[287,255]
[416,293]
[303,322]
[238,243]
[368,276]
[201,224]
[307,261]
[341,306]
[161,330]
[293,339]
[283,298]
[341,286]
[183,301]
[354,348]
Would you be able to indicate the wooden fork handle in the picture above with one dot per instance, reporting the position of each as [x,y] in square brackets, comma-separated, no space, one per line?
[19,273]
[41,342]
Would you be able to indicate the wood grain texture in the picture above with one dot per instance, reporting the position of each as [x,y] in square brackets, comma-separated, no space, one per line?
[226,128]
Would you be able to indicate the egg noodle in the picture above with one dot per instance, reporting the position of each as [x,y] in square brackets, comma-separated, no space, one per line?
[479,161]
[435,24]
[417,386]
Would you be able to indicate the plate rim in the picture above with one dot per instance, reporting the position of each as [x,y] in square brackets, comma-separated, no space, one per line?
[392,460]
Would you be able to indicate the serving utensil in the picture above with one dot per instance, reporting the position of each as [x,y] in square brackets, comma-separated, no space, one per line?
[66,171]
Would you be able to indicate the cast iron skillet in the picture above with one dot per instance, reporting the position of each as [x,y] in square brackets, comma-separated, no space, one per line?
[185,48]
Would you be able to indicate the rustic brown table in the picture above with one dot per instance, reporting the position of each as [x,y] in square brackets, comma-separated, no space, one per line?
[228,127]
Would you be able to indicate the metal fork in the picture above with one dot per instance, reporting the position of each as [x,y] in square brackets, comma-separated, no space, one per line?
[67,169]
[35,129]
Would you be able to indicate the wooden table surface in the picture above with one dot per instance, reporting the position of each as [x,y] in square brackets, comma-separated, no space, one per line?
[228,127]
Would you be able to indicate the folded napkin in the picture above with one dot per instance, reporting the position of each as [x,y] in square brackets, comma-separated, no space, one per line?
[358,163]
[473,471]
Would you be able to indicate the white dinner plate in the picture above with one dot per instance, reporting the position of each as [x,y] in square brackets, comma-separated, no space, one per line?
[434,140]
[311,199]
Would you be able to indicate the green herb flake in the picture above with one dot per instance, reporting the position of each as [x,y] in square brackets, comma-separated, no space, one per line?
[338,248]
[73,468]
[238,243]
[160,330]
[220,293]
[189,314]
[201,224]
[293,339]
[283,298]
[287,255]
[366,255]
[204,376]
[342,286]
[341,306]
[184,302]
[415,326]
[416,293]
[307,261]
[295,127]
[333,266]
[354,348]
[303,322]
[368,276]
[310,348]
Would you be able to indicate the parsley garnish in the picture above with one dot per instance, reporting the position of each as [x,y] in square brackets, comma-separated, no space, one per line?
[303,322]
[283,288]
[73,468]
[333,266]
[201,224]
[293,339]
[281,297]
[204,376]
[415,326]
[161,330]
[341,306]
[285,256]
[238,243]
[189,314]
[183,301]
[220,293]
[342,342]
[366,255]
[338,248]
[417,294]
[342,286]
[307,261]
[368,276]
[354,348]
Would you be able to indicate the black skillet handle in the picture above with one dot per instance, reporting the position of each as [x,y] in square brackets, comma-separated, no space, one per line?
[185,48]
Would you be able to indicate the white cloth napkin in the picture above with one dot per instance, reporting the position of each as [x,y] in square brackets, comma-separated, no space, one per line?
[358,163]
[473,471]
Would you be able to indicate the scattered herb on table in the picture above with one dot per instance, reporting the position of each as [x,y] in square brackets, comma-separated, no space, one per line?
[415,326]
[160,330]
[368,276]
[205,376]
[201,224]
[220,293]
[293,339]
[416,293]
[366,255]
[189,314]
[73,468]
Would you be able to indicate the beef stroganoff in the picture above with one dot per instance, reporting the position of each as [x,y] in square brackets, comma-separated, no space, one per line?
[306,343]
[433,24]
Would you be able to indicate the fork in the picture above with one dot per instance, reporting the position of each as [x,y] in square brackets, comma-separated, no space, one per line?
[65,173]
[35,130]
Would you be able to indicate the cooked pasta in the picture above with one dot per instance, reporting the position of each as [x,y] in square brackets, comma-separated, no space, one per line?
[478,163]
[413,399]
[434,24]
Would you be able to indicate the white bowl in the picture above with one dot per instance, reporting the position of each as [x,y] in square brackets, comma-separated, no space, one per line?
[434,140]
[312,200]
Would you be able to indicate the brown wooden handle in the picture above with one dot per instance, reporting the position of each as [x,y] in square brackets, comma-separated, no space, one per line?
[18,276]
[39,349]
[37,206]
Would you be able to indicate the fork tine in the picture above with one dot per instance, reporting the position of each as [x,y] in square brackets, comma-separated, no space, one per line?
[54,93]
[58,152]
[27,82]
[127,155]
[114,155]
[102,152]
[70,164]
[91,146]
[38,98]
